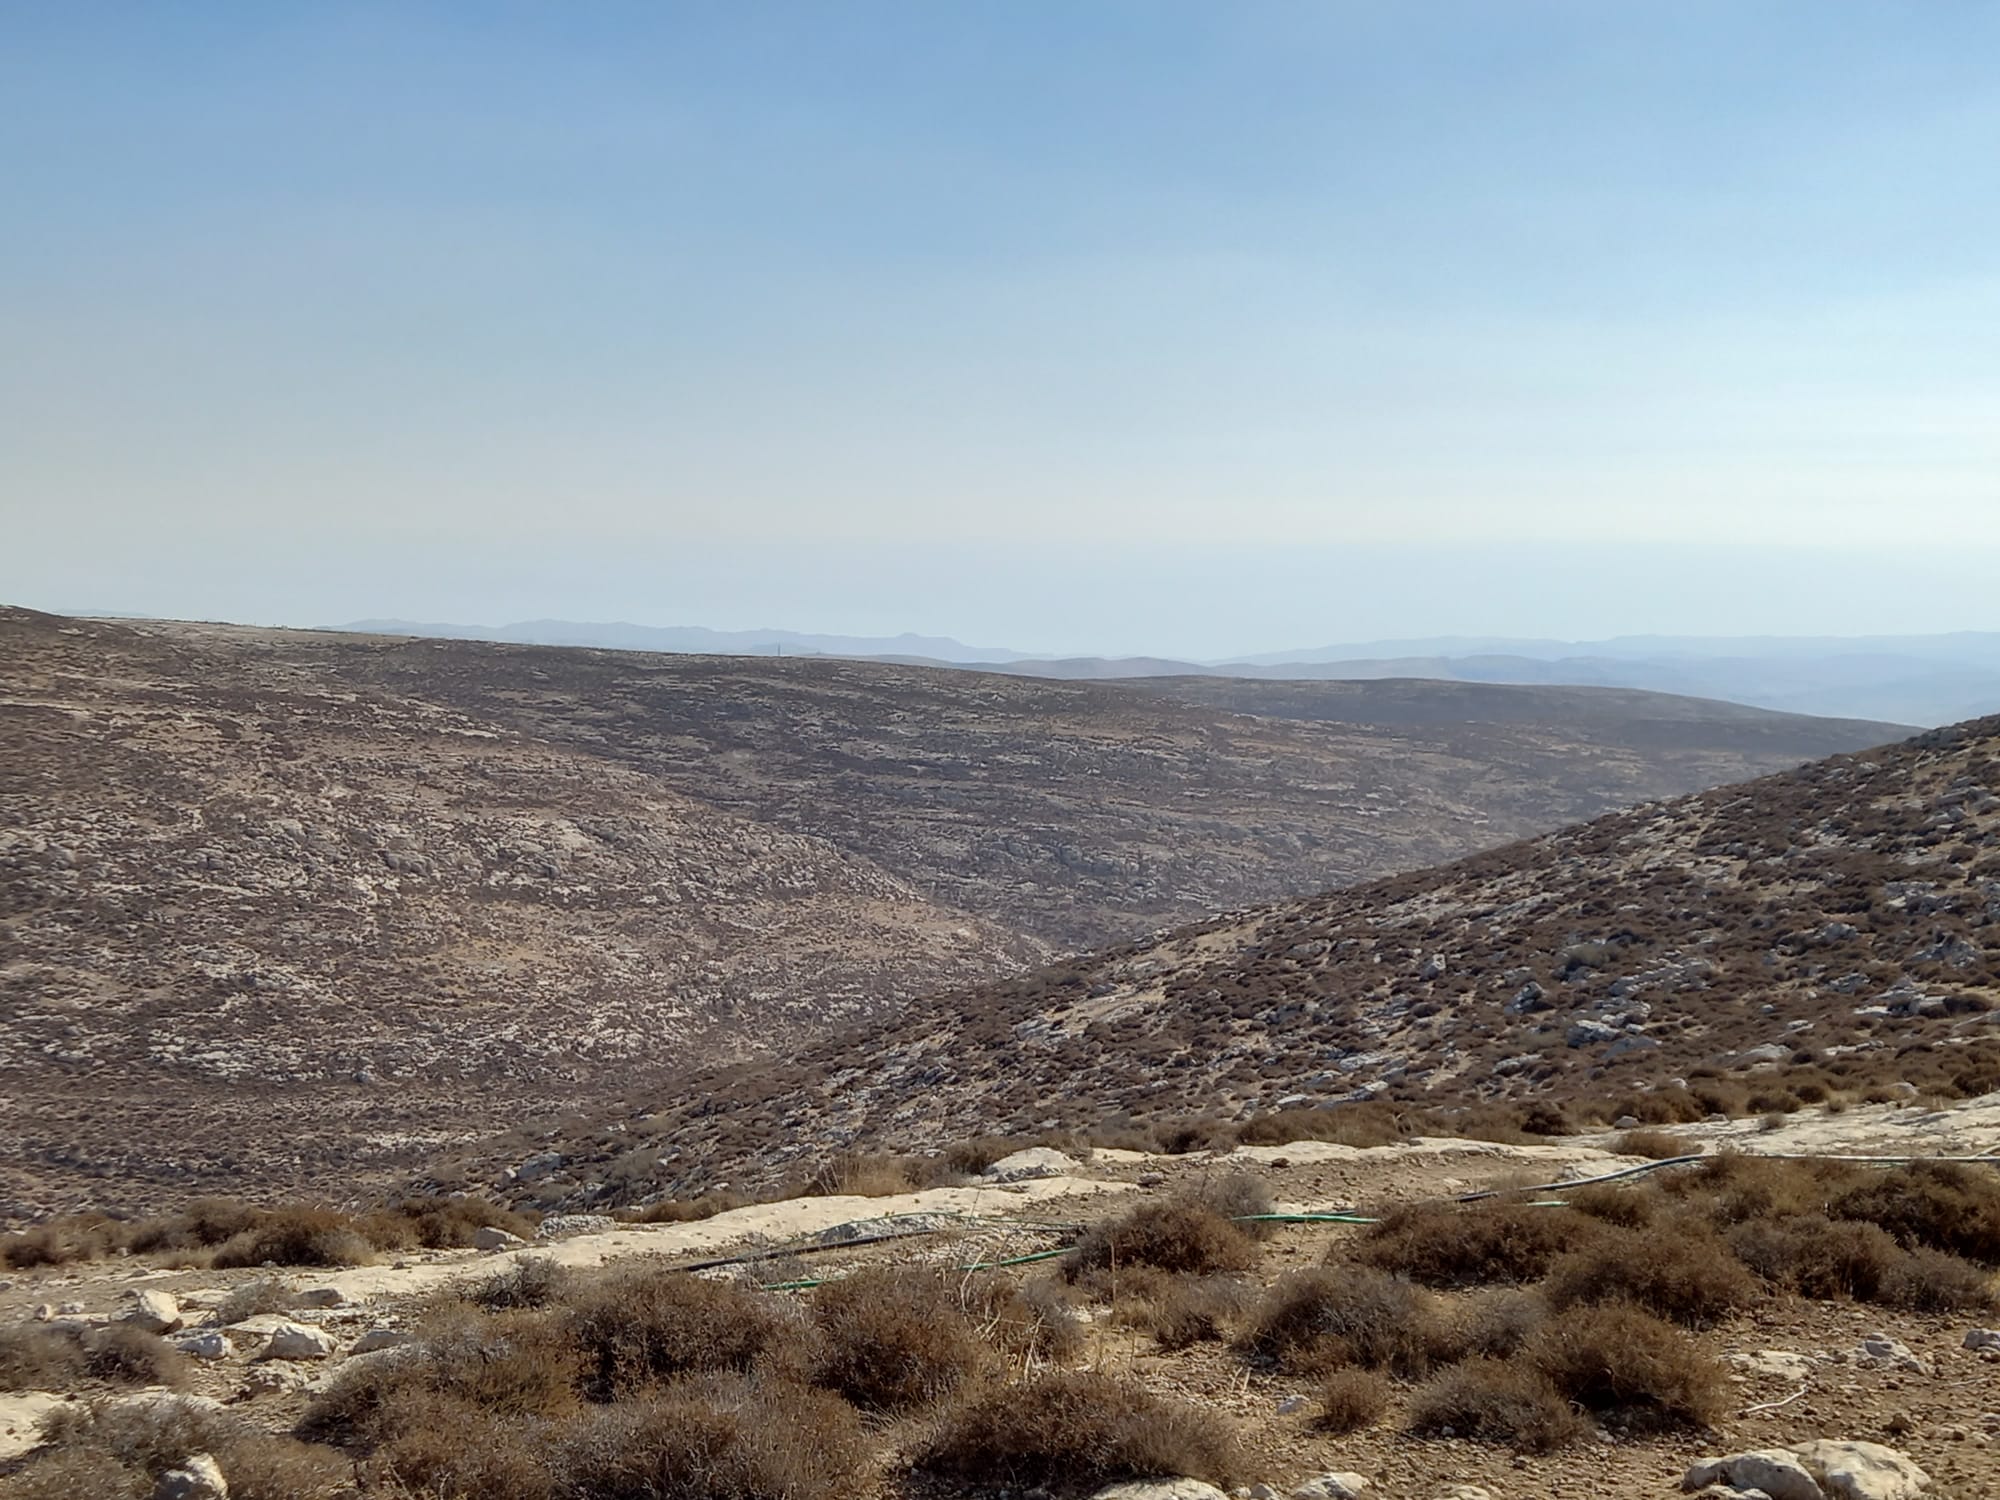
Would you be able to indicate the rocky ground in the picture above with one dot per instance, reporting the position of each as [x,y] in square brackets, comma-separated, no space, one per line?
[1804,1372]
[289,911]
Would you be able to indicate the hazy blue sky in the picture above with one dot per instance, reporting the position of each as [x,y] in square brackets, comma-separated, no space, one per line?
[1013,320]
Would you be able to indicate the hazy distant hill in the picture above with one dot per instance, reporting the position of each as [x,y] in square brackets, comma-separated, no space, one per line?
[618,636]
[277,905]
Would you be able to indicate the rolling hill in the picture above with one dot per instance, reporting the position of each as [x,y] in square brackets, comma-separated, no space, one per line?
[296,904]
[1839,922]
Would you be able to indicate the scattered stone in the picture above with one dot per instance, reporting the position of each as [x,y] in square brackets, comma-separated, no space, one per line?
[1880,1349]
[1035,1161]
[1292,1404]
[1152,1179]
[274,1380]
[1778,1364]
[196,1478]
[298,1341]
[1625,1122]
[210,1343]
[561,1226]
[155,1312]
[1862,1471]
[491,1237]
[1983,1338]
[1161,1489]
[377,1339]
[44,1312]
[1342,1486]
[535,1168]
[321,1296]
[1775,1471]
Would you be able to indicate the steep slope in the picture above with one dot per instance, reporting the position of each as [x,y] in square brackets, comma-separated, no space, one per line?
[1846,915]
[1081,814]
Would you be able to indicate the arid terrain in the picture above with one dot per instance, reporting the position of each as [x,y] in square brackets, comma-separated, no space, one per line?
[1835,926]
[442,1371]
[286,907]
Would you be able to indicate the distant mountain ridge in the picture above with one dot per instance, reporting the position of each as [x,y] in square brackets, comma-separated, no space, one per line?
[1919,679]
[691,639]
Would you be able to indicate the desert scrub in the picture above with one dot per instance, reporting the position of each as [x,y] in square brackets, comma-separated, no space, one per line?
[892,1340]
[1077,1432]
[1178,1236]
[1443,1245]
[1496,1401]
[1631,1370]
[1350,1400]
[1686,1274]
[1350,1315]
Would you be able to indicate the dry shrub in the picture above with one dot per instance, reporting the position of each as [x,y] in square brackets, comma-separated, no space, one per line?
[728,1439]
[443,1448]
[532,1281]
[1350,1400]
[204,1223]
[60,1241]
[1348,1315]
[75,1474]
[1361,1124]
[1179,1311]
[444,1223]
[1445,1246]
[1237,1197]
[1684,1273]
[642,1326]
[687,1210]
[1732,1189]
[1077,1432]
[519,1366]
[1495,1323]
[1178,1236]
[971,1157]
[1625,1207]
[1495,1401]
[1930,1281]
[853,1175]
[1026,1321]
[255,1298]
[893,1340]
[38,1358]
[125,1355]
[296,1237]
[1654,1144]
[1816,1257]
[151,1436]
[1936,1205]
[1630,1369]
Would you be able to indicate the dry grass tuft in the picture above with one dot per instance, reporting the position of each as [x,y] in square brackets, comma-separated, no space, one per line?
[1494,1401]
[895,1340]
[854,1175]
[296,1237]
[1350,1400]
[1179,1237]
[1654,1144]
[1687,1275]
[1443,1245]
[1348,1315]
[125,1355]
[1029,1322]
[644,1326]
[1633,1371]
[1076,1433]
[38,1358]
[730,1439]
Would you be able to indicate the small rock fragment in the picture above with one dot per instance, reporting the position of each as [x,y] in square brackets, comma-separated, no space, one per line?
[491,1237]
[155,1312]
[298,1341]
[376,1339]
[1341,1486]
[211,1343]
[196,1478]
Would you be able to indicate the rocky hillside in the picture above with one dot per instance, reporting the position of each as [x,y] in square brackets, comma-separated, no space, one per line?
[1842,920]
[275,903]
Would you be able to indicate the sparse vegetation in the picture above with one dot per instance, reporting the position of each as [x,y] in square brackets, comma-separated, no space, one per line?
[1181,1237]
[1495,1401]
[1074,1433]
[894,1340]
[1444,1245]
[1319,1320]
[1350,1400]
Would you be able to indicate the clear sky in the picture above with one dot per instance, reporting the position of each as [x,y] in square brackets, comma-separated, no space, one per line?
[1063,324]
